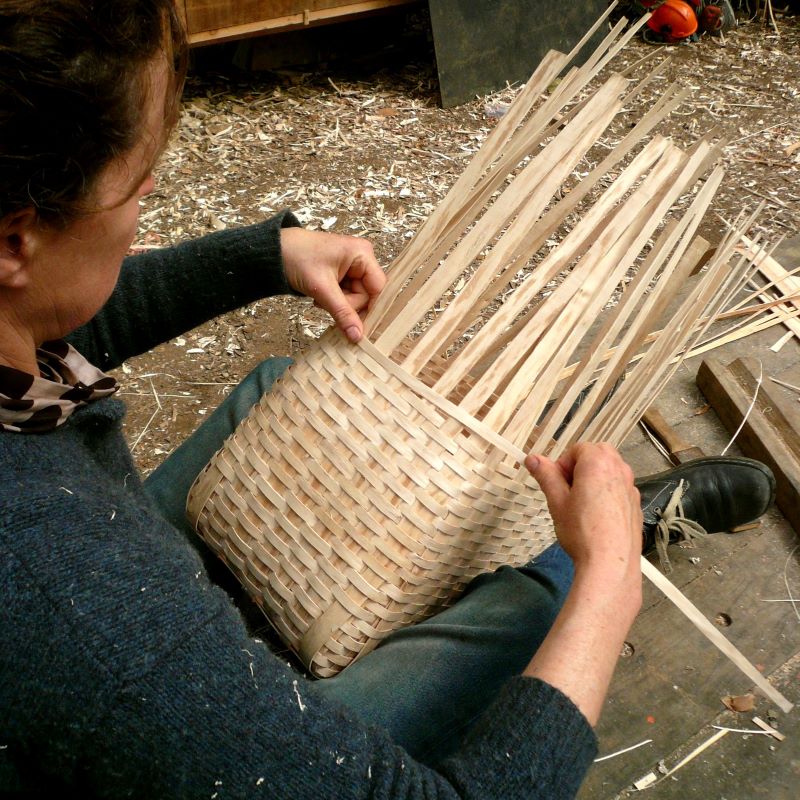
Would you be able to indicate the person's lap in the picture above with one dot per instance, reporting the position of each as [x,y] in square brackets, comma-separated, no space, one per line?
[427,682]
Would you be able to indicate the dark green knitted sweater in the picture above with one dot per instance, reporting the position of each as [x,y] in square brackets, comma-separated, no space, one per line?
[125,672]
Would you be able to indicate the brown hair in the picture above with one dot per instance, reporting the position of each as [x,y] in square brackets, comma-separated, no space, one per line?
[73,83]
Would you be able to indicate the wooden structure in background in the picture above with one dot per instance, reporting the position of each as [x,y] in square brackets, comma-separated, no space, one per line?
[212,21]
[481,45]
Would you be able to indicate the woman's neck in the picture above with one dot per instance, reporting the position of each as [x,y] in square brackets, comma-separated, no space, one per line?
[17,348]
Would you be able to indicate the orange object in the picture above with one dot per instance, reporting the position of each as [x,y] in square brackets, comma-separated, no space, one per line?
[673,20]
[711,19]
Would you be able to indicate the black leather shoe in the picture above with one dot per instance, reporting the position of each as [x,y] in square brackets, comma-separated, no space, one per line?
[706,495]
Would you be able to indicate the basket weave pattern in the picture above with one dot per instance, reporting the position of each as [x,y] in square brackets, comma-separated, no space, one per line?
[405,508]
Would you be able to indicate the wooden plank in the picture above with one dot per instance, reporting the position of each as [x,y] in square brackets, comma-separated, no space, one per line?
[714,635]
[214,21]
[770,433]
[670,687]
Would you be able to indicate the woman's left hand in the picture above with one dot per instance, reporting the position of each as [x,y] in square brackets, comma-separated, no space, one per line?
[340,273]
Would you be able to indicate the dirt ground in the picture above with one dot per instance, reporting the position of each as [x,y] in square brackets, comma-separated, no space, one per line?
[368,151]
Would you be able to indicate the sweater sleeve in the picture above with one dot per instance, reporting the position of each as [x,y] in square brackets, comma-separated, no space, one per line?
[163,293]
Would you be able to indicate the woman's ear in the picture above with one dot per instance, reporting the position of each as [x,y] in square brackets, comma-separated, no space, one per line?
[17,237]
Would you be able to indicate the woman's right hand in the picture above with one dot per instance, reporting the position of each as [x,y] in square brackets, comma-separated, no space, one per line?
[598,518]
[594,505]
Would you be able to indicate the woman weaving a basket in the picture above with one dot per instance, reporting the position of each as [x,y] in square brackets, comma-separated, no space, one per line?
[126,670]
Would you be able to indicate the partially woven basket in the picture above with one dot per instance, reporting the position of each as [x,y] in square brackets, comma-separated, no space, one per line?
[375,480]
[349,506]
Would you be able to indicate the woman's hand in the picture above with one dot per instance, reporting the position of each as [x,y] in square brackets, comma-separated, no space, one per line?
[594,504]
[598,519]
[340,273]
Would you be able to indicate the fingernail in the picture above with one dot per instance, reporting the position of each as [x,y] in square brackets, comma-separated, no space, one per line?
[353,333]
[532,462]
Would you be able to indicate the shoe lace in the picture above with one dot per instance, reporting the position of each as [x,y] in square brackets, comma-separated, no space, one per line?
[671,522]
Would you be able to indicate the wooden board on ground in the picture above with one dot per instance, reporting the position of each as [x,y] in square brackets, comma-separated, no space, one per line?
[771,432]
[735,575]
[670,687]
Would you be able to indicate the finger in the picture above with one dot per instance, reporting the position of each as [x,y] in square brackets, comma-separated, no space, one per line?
[550,478]
[374,278]
[348,321]
[364,266]
[330,296]
[354,286]
[566,463]
[358,301]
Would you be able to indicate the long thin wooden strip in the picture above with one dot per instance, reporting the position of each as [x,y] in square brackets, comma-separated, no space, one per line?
[467,420]
[632,94]
[592,31]
[524,143]
[589,124]
[540,126]
[675,273]
[506,369]
[622,354]
[712,633]
[756,308]
[406,263]
[545,228]
[725,337]
[656,194]
[545,363]
[638,390]
[769,285]
[629,405]
[616,418]
[529,136]
[559,158]
[558,260]
[586,372]
[734,336]
[738,276]
[774,271]
[596,64]
[630,402]
[439,220]
[466,208]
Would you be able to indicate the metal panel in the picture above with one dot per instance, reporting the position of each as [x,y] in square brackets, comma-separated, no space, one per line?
[482,44]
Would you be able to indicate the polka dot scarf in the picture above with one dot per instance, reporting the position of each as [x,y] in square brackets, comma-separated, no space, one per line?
[67,381]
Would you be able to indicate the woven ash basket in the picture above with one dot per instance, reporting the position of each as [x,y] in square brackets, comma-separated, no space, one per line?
[375,480]
[349,506]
